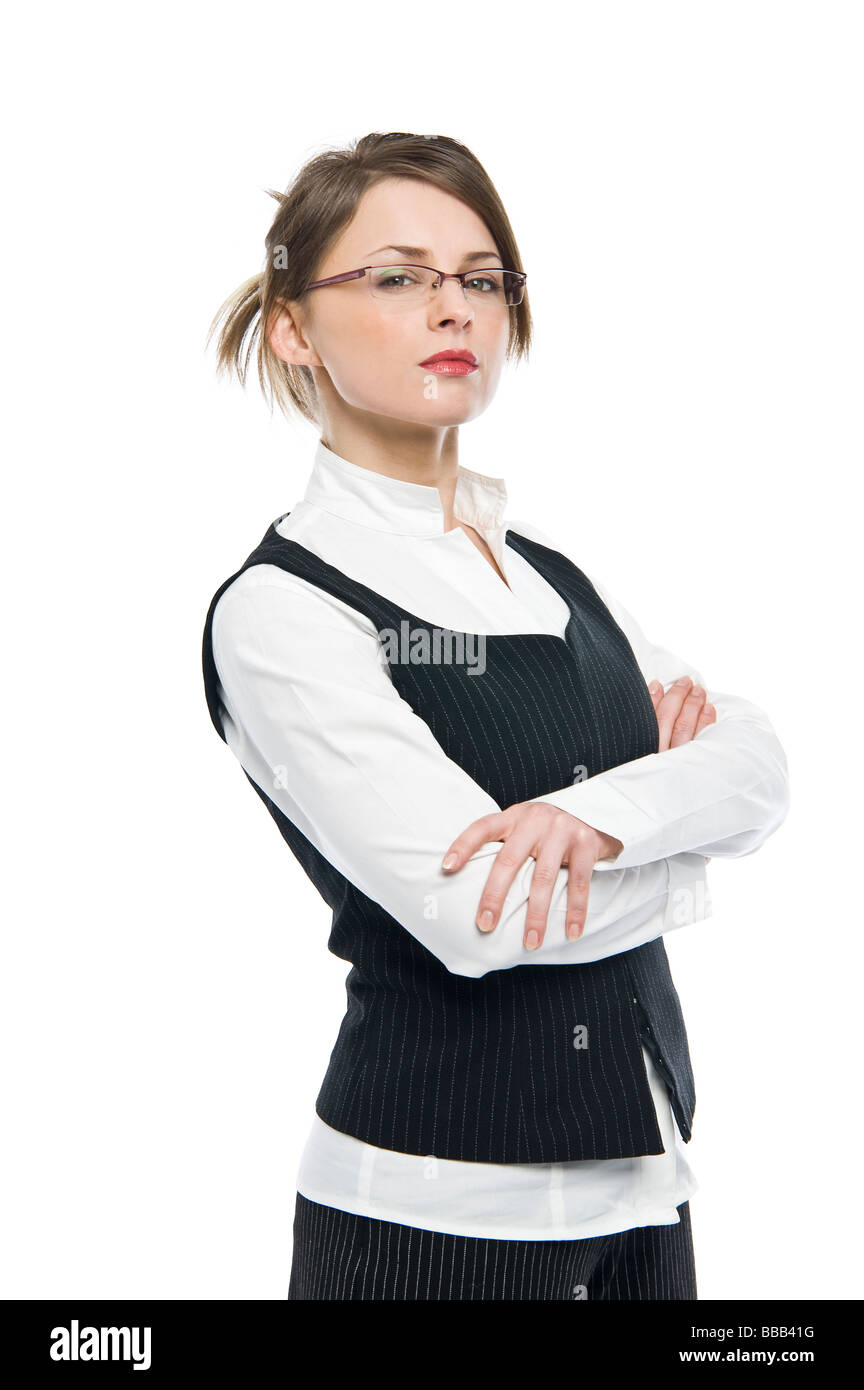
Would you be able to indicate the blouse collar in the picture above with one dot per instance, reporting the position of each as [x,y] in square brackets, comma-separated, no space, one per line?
[391,504]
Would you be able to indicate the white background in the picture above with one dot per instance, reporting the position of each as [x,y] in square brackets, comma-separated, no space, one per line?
[684,182]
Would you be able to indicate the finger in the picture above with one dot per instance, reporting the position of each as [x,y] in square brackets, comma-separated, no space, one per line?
[522,844]
[579,871]
[670,707]
[543,880]
[708,716]
[688,717]
[479,832]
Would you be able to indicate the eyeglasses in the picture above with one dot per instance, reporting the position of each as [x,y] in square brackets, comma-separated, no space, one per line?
[405,285]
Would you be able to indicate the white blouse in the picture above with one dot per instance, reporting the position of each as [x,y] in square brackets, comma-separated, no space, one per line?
[313,717]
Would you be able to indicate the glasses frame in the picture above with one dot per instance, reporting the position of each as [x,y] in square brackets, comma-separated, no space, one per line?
[442,275]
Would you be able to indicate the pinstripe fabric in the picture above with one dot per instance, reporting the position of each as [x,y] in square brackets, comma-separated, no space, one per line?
[431,1062]
[338,1255]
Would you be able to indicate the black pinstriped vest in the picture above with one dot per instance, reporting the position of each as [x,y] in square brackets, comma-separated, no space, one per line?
[429,1062]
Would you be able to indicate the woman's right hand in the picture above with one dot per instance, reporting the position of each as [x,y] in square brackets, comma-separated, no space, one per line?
[681,712]
[680,715]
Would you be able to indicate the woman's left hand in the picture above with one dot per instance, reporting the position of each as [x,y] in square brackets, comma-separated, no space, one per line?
[553,839]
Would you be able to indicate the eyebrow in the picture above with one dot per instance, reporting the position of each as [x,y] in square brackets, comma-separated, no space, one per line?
[484,256]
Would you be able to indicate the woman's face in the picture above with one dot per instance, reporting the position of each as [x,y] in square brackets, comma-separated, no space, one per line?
[372,352]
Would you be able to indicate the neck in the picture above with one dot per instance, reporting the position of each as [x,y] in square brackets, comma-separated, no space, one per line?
[399,449]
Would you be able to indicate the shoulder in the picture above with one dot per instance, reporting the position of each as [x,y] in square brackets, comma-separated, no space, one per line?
[268,599]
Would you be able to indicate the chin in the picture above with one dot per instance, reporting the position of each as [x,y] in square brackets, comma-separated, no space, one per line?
[456,402]
[441,415]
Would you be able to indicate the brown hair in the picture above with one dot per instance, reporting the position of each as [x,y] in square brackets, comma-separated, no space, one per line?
[313,211]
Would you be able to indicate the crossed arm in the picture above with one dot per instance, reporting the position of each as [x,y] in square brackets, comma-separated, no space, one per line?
[313,717]
[553,837]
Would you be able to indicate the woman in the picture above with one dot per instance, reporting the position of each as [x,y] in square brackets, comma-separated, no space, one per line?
[408,680]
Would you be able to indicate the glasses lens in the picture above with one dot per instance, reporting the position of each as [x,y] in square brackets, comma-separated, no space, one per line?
[412,284]
[401,284]
[495,286]
[514,287]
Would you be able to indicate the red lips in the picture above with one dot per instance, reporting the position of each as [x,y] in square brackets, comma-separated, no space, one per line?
[451,355]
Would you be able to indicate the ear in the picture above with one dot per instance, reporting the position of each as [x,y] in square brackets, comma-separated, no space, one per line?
[286,338]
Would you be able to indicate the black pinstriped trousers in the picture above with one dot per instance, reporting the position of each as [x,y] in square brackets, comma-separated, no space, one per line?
[338,1255]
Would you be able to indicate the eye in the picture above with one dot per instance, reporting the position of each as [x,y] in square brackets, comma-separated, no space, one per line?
[486,283]
[392,279]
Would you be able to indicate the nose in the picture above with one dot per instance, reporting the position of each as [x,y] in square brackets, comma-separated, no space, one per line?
[450,304]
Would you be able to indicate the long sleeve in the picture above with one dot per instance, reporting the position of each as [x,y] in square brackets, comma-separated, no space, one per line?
[314,718]
[722,794]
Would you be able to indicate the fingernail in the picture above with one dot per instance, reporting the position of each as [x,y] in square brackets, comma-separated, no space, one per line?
[449,859]
[484,921]
[532,940]
[574,931]
[654,686]
[697,690]
[683,680]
